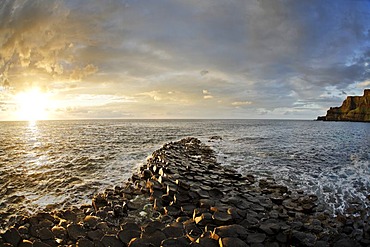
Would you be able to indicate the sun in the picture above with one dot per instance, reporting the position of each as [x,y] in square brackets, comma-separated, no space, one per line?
[32,105]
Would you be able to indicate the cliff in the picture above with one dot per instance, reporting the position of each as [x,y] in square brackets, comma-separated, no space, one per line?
[354,108]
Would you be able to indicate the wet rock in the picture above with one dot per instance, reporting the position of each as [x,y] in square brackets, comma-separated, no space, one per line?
[12,236]
[181,198]
[75,231]
[188,209]
[236,214]
[173,232]
[346,242]
[153,226]
[277,199]
[308,208]
[203,219]
[147,174]
[233,231]
[111,241]
[25,243]
[69,215]
[321,244]
[269,228]
[256,238]
[166,199]
[232,242]
[174,242]
[222,218]
[103,214]
[155,238]
[59,232]
[46,223]
[83,242]
[127,235]
[99,201]
[44,234]
[120,211]
[206,241]
[172,211]
[206,203]
[90,221]
[215,193]
[23,230]
[192,231]
[95,235]
[216,138]
[303,239]
[130,226]
[139,242]
[102,226]
[38,243]
[202,193]
[281,237]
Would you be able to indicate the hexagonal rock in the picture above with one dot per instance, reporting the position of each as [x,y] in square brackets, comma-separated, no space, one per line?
[12,236]
[232,242]
[126,235]
[45,233]
[59,231]
[173,232]
[111,241]
[205,241]
[139,242]
[155,238]
[75,231]
[256,238]
[303,239]
[84,242]
[222,218]
[90,221]
[174,242]
[234,231]
[96,234]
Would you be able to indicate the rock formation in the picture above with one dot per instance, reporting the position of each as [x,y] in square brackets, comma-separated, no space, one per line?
[184,197]
[354,108]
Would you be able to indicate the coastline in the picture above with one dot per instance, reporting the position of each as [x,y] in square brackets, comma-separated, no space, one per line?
[183,196]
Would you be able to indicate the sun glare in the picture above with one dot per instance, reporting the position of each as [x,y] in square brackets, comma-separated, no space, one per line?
[31,105]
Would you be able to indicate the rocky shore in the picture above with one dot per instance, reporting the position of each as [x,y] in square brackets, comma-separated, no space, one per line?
[183,197]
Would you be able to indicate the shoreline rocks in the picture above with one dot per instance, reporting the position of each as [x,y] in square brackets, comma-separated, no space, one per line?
[183,197]
[353,109]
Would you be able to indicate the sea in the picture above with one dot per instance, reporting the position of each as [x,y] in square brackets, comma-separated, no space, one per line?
[47,165]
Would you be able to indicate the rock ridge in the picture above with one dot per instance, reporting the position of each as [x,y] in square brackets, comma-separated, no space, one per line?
[353,108]
[184,197]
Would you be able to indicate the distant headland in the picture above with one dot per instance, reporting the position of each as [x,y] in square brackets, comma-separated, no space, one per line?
[354,109]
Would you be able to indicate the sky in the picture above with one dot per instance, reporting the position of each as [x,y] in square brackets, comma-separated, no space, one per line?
[169,59]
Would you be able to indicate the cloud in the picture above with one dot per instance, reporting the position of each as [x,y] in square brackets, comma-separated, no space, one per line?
[207,94]
[204,72]
[42,38]
[241,103]
[155,95]
[364,84]
[277,54]
[80,73]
